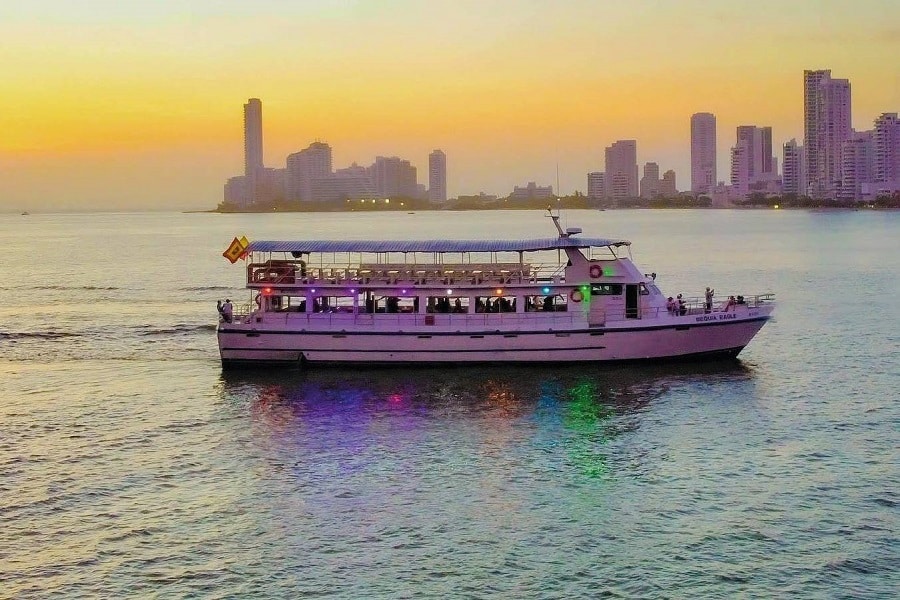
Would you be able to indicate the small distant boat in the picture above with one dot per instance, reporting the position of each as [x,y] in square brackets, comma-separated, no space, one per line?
[25,212]
[561,299]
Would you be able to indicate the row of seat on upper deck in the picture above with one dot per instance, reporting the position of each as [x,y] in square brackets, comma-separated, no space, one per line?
[457,273]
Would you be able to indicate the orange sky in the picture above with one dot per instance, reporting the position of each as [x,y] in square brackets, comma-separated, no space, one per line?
[104,106]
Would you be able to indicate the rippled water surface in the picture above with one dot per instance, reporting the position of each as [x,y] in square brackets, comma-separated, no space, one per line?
[132,466]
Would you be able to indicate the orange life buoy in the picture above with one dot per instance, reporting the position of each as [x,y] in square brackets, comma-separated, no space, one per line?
[596,271]
[576,296]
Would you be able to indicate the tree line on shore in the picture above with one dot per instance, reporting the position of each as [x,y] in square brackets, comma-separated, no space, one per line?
[576,201]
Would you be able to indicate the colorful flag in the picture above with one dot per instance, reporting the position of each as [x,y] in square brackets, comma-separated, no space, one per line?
[245,243]
[235,251]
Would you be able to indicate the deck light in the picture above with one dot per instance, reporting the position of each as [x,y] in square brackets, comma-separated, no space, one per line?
[499,292]
[546,290]
[313,290]
[449,292]
[352,290]
[267,291]
[403,291]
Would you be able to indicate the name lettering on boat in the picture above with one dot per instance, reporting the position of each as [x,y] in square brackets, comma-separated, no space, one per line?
[719,317]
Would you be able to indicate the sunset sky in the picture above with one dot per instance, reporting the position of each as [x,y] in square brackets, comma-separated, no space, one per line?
[106,104]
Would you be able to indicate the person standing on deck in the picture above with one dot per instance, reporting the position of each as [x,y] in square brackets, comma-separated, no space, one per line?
[709,299]
[227,311]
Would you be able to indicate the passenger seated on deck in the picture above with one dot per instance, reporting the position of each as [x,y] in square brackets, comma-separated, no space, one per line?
[730,304]
[548,304]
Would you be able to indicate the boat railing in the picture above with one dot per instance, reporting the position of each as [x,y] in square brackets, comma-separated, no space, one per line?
[397,321]
[296,272]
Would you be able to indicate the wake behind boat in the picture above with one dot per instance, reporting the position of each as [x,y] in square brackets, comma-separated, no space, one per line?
[559,299]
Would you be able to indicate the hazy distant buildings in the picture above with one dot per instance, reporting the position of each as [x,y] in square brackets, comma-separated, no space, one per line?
[437,176]
[667,187]
[532,191]
[826,126]
[596,187]
[621,170]
[394,177]
[311,163]
[351,183]
[753,168]
[650,181]
[793,165]
[703,153]
[253,148]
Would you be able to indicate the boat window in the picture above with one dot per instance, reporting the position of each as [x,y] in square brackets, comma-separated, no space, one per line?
[606,289]
[333,304]
[495,304]
[552,303]
[447,304]
[293,303]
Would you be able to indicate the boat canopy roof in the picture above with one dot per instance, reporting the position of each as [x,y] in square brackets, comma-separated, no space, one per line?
[534,245]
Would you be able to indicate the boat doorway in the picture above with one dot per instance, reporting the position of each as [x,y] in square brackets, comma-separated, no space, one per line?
[631,302]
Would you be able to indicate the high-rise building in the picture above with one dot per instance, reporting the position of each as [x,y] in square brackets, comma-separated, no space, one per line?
[313,162]
[253,146]
[596,189]
[437,176]
[740,169]
[826,126]
[793,179]
[394,178]
[703,153]
[887,151]
[857,165]
[622,170]
[650,181]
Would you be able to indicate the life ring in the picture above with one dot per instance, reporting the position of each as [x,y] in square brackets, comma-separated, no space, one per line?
[596,271]
[576,296]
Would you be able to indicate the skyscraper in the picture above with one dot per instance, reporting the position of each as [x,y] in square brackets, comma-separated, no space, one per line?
[857,165]
[437,176]
[740,168]
[887,151]
[826,126]
[621,170]
[311,163]
[253,146]
[793,165]
[703,153]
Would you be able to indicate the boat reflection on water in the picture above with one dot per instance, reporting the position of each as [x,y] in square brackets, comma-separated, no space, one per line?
[570,413]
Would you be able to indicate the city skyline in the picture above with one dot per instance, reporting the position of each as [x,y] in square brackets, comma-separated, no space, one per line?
[135,107]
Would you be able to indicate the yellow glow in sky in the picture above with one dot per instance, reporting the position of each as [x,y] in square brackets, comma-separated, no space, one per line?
[108,105]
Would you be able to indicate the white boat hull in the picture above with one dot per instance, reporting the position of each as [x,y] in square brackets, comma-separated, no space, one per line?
[685,337]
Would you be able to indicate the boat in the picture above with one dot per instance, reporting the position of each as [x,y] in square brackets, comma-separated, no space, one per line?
[566,299]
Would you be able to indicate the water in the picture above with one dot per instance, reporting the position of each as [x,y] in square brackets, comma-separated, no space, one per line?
[132,466]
